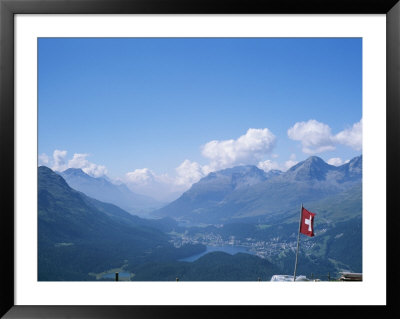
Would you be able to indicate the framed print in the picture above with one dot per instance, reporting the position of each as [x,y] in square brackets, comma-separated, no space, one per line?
[187,159]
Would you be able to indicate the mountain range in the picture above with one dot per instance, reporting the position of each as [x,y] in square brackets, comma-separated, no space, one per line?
[102,189]
[78,235]
[247,192]
[81,239]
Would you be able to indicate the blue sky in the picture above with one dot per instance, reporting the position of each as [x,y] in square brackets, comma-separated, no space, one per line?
[127,104]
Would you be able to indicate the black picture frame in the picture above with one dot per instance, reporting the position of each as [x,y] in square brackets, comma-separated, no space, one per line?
[8,8]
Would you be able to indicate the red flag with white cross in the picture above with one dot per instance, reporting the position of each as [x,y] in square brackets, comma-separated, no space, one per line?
[307,222]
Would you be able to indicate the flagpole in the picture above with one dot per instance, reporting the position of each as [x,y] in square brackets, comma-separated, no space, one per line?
[298,240]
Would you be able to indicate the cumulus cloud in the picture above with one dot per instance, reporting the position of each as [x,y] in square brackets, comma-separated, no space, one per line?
[59,163]
[163,186]
[44,159]
[80,161]
[351,137]
[247,149]
[141,176]
[189,172]
[268,165]
[336,161]
[316,137]
[288,164]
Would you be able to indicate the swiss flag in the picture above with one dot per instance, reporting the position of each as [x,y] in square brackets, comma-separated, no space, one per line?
[307,222]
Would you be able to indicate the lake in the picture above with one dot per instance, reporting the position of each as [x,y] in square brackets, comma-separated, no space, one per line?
[229,249]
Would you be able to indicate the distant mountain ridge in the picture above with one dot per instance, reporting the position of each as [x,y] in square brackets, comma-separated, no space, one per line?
[314,168]
[104,190]
[220,183]
[81,238]
[78,235]
[246,191]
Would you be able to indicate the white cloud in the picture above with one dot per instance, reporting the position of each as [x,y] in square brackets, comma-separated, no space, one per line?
[95,170]
[336,161]
[141,176]
[351,137]
[315,137]
[80,161]
[288,164]
[268,165]
[247,149]
[189,172]
[165,187]
[44,159]
[59,163]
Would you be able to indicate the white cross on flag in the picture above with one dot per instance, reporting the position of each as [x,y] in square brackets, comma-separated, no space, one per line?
[307,222]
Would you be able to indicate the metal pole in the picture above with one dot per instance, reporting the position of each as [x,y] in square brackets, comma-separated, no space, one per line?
[298,240]
[116,276]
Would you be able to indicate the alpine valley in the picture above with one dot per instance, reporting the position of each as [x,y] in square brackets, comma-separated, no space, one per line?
[88,227]
[102,189]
